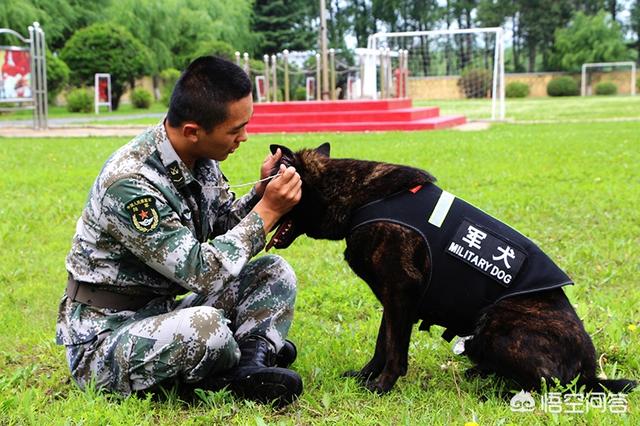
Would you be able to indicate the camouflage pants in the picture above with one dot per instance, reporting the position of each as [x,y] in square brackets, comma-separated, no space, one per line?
[192,338]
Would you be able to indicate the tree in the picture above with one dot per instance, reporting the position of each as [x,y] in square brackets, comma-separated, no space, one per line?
[589,7]
[589,39]
[423,16]
[362,20]
[411,16]
[635,24]
[176,30]
[59,18]
[338,25]
[389,12]
[498,13]
[538,21]
[592,7]
[613,7]
[284,24]
[214,47]
[407,15]
[199,22]
[462,12]
[106,48]
[151,22]
[57,76]
[17,15]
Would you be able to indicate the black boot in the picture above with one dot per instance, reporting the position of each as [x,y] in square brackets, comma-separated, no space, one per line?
[287,354]
[254,378]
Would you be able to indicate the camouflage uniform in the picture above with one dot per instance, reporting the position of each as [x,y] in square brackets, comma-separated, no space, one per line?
[151,226]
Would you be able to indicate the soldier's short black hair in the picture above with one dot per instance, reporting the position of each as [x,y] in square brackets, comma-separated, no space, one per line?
[204,90]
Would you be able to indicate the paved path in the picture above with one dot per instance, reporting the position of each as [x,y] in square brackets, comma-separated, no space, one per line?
[54,122]
[72,132]
[78,127]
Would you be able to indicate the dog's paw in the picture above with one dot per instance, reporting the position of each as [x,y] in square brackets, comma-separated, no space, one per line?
[351,373]
[377,387]
[363,377]
[476,373]
[360,376]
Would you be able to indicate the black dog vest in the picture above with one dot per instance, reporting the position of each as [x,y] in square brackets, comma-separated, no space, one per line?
[476,260]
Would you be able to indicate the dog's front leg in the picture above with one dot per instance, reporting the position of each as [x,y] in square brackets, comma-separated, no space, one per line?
[397,334]
[393,261]
[372,369]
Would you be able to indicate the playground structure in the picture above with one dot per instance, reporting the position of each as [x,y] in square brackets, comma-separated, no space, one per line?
[345,105]
[373,94]
[23,76]
[382,69]
[393,76]
[471,61]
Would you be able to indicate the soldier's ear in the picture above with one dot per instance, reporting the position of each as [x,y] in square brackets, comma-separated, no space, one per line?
[324,149]
[190,131]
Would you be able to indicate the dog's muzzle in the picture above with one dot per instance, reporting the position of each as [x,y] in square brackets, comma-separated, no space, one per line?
[286,233]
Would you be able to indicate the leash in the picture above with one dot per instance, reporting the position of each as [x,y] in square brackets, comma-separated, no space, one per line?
[239,185]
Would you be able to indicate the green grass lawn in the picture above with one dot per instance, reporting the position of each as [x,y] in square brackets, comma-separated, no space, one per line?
[574,108]
[519,110]
[573,188]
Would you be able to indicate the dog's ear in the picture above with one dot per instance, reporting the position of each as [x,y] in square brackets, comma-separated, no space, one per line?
[286,152]
[288,157]
[324,149]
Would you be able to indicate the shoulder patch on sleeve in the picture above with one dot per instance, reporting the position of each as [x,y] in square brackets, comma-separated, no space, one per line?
[143,213]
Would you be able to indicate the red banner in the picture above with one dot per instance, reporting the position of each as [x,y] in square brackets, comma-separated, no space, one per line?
[15,74]
[103,89]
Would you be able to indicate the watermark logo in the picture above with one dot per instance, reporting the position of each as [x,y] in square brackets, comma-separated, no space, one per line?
[523,402]
[571,403]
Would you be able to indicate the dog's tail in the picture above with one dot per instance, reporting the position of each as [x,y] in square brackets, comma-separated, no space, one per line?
[608,385]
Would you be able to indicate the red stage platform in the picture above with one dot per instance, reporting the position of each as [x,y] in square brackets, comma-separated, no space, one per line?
[347,116]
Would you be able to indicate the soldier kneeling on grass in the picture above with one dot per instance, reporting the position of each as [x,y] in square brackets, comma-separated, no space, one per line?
[160,222]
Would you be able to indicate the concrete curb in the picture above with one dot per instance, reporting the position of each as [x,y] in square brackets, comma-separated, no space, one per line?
[91,131]
[72,132]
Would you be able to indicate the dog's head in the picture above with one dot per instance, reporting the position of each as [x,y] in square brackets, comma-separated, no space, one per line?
[301,219]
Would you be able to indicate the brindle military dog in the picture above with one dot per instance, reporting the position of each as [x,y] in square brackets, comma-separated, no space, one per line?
[525,338]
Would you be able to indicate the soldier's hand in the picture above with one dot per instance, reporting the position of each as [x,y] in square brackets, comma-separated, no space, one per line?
[267,167]
[280,196]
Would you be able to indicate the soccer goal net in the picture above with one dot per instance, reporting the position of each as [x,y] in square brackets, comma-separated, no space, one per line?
[464,69]
[608,78]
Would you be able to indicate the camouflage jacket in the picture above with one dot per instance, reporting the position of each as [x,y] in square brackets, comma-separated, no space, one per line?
[151,225]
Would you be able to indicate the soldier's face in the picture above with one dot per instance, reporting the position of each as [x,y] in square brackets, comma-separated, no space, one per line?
[226,137]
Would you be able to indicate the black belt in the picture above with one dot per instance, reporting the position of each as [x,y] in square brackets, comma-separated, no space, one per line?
[89,294]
